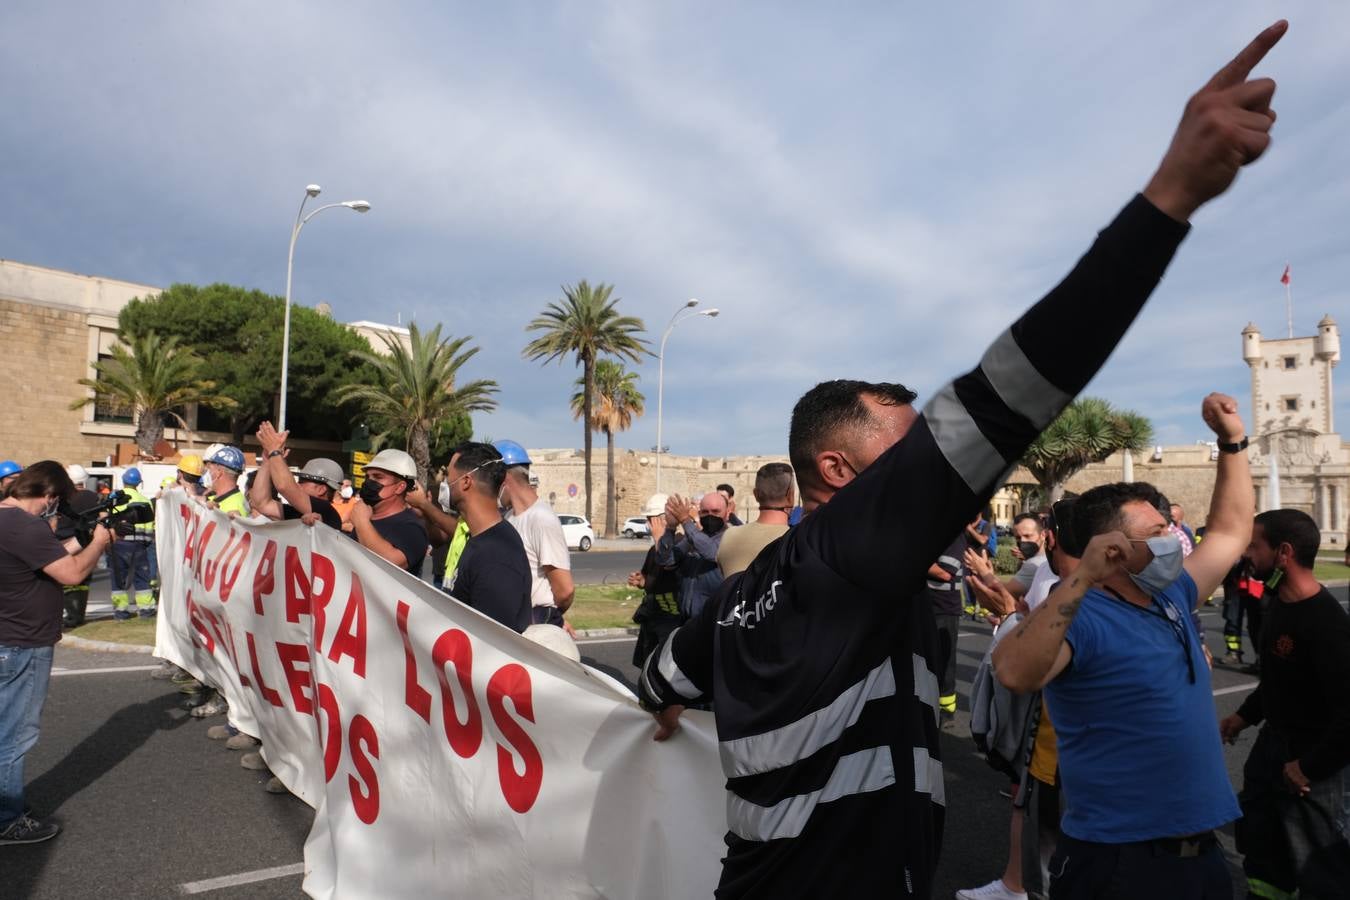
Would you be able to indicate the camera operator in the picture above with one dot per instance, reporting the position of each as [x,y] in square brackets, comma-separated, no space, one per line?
[68,525]
[34,564]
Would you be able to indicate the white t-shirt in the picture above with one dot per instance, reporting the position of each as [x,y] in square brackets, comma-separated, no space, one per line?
[1042,583]
[545,545]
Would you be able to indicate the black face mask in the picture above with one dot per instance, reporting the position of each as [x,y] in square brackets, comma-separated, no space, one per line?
[711,524]
[370,492]
[1028,548]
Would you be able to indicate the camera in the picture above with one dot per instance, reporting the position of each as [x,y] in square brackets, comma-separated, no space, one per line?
[123,521]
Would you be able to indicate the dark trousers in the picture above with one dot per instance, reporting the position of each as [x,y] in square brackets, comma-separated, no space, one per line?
[948,628]
[1040,836]
[1142,870]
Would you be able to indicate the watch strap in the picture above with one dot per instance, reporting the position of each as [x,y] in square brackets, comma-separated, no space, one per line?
[1234,448]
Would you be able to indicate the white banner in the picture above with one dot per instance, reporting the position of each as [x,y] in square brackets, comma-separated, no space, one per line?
[444,754]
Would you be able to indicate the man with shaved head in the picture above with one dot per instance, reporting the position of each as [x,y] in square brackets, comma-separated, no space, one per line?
[693,555]
[816,658]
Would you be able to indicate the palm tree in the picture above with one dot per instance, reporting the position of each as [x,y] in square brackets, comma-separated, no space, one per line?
[617,401]
[152,379]
[585,324]
[1088,431]
[414,389]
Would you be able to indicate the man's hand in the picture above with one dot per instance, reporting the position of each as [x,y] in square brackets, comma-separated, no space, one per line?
[635,579]
[1225,126]
[978,564]
[675,507]
[1295,780]
[1230,727]
[359,514]
[270,439]
[1220,413]
[418,498]
[1104,556]
[667,722]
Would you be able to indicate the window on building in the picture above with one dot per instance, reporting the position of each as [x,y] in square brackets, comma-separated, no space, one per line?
[1290,362]
[107,409]
[1291,404]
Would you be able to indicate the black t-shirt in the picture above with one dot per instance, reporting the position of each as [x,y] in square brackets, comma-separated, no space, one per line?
[406,532]
[494,576]
[946,595]
[30,601]
[326,512]
[1305,670]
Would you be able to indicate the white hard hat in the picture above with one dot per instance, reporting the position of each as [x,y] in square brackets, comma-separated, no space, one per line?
[555,639]
[77,474]
[656,505]
[395,461]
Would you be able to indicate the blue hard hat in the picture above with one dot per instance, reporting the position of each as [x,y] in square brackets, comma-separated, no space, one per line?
[229,457]
[9,467]
[512,453]
[131,477]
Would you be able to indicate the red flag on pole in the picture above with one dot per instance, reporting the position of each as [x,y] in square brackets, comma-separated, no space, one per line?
[1284,279]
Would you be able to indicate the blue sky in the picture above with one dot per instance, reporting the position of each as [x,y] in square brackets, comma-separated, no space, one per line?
[871,190]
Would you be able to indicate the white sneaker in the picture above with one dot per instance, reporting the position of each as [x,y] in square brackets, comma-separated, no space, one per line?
[994,890]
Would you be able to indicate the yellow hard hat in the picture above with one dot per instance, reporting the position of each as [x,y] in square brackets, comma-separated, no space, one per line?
[168,481]
[191,464]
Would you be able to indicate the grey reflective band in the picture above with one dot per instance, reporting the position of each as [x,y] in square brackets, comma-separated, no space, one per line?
[796,741]
[928,776]
[671,672]
[964,446]
[857,773]
[925,683]
[1018,383]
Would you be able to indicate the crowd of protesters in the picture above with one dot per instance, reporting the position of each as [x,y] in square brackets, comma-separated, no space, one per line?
[826,648]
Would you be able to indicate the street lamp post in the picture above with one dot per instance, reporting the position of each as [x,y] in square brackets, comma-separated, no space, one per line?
[310,191]
[681,315]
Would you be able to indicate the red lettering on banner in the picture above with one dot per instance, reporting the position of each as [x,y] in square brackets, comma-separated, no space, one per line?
[323,569]
[236,556]
[361,738]
[198,620]
[264,578]
[453,646]
[415,696]
[350,639]
[330,737]
[300,681]
[213,566]
[308,593]
[520,789]
[202,541]
[268,693]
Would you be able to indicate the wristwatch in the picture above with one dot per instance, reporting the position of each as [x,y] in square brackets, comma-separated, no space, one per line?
[283,453]
[1233,448]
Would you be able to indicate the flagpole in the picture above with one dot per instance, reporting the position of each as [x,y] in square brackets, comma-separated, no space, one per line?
[1289,304]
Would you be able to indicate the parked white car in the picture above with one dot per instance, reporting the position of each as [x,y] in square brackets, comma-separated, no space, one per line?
[578,532]
[636,527]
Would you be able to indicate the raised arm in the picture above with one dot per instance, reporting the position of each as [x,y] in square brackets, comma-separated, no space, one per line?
[1233,504]
[930,485]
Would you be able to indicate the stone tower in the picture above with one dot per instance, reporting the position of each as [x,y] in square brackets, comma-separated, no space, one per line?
[1291,378]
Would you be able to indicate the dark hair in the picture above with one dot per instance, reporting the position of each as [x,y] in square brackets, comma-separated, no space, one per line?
[773,482]
[1029,517]
[829,407]
[1061,524]
[47,478]
[475,455]
[1098,510]
[726,489]
[1295,528]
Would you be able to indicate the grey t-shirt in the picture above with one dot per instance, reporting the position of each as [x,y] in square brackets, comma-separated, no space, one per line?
[1027,573]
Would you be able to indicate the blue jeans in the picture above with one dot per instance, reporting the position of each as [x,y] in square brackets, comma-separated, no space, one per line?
[24,675]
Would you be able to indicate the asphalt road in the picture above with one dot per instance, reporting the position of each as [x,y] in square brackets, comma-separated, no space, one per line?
[150,805]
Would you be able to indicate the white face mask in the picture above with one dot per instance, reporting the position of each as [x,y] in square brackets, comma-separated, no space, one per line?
[346,492]
[443,496]
[206,481]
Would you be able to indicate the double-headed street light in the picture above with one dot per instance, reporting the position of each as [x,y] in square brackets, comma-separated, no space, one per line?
[682,314]
[300,220]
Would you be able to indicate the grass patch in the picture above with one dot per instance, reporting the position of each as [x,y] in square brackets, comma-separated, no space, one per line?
[604,606]
[126,631]
[1325,570]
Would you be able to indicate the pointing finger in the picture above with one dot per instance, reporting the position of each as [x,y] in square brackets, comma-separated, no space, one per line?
[1241,66]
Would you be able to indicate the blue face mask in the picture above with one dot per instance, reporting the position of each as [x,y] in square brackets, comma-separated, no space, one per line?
[1165,566]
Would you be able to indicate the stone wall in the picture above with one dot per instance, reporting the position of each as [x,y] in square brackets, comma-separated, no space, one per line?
[43,352]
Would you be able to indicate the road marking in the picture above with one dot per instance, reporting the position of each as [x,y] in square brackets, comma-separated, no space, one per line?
[622,640]
[58,672]
[1236,689]
[215,884]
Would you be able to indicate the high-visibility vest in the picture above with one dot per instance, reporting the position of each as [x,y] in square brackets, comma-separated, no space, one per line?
[142,529]
[457,542]
[231,502]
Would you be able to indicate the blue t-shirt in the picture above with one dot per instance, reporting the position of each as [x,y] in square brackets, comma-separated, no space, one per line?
[1139,749]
